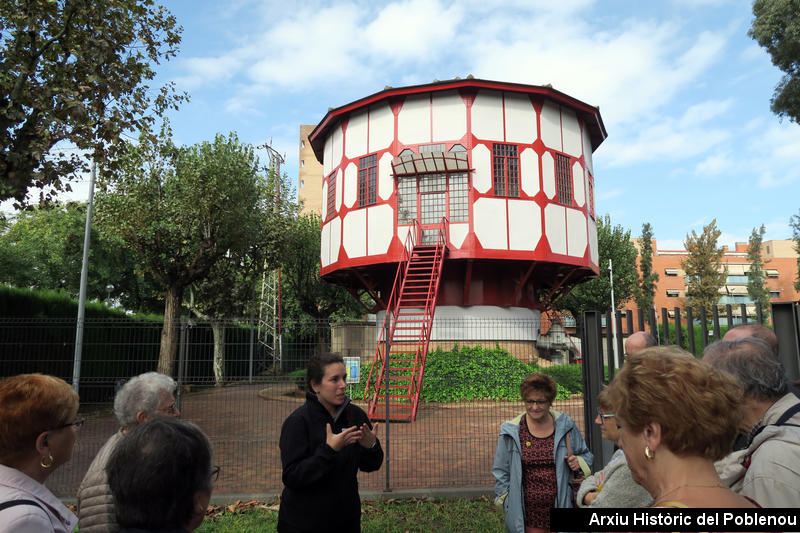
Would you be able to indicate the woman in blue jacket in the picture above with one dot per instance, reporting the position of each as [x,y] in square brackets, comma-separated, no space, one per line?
[532,466]
[324,443]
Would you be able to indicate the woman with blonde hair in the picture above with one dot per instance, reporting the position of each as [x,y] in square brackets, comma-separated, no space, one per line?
[676,416]
[38,427]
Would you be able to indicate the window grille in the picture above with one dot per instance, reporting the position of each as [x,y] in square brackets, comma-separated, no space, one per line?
[367,180]
[563,179]
[331,204]
[506,170]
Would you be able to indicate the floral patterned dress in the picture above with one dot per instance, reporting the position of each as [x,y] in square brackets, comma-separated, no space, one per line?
[538,476]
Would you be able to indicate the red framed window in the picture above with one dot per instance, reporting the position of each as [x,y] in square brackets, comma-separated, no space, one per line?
[331,205]
[563,179]
[505,170]
[367,180]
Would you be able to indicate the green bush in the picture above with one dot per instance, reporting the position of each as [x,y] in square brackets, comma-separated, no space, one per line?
[568,376]
[298,377]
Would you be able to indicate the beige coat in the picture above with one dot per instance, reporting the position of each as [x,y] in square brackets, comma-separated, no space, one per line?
[95,502]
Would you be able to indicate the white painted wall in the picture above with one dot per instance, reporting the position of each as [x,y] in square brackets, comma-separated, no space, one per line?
[336,238]
[414,120]
[576,233]
[490,223]
[551,126]
[385,181]
[482,161]
[571,133]
[380,228]
[381,128]
[555,227]
[336,147]
[458,232]
[354,233]
[520,119]
[350,184]
[468,323]
[487,115]
[593,251]
[549,175]
[449,116]
[524,225]
[587,151]
[355,144]
[578,183]
[529,171]
[325,245]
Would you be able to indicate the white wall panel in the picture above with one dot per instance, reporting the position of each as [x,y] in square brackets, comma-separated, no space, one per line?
[593,251]
[336,238]
[402,233]
[381,127]
[354,233]
[571,132]
[524,224]
[458,232]
[487,116]
[549,175]
[551,126]
[587,150]
[336,146]
[576,233]
[449,116]
[482,161]
[325,245]
[578,184]
[350,184]
[555,227]
[380,229]
[491,223]
[327,157]
[520,119]
[529,163]
[385,181]
[414,120]
[355,144]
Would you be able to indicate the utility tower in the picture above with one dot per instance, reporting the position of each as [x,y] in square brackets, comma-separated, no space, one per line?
[270,324]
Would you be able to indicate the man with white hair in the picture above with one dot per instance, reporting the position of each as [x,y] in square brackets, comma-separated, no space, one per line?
[141,399]
[768,468]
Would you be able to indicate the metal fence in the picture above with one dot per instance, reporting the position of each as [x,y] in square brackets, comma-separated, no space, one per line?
[451,445]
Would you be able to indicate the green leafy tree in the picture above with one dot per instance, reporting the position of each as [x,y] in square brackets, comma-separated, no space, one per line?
[756,278]
[230,289]
[614,242]
[794,222]
[76,72]
[306,294]
[705,271]
[776,27]
[646,289]
[43,249]
[181,210]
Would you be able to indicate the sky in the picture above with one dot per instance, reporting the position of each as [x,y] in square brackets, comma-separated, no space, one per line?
[683,91]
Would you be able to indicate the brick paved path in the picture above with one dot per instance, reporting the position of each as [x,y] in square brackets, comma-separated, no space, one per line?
[449,445]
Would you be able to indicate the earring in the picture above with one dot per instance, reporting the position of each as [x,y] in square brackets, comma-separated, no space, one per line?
[647,453]
[52,461]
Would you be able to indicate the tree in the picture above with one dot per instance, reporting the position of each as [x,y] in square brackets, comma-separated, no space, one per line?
[646,290]
[776,27]
[43,249]
[614,242]
[756,280]
[181,210]
[705,272]
[229,290]
[794,222]
[76,72]
[306,294]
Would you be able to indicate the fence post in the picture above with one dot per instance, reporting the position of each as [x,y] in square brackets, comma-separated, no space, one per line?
[703,326]
[609,340]
[640,317]
[591,341]
[252,345]
[653,324]
[690,328]
[617,359]
[786,321]
[181,362]
[387,349]
[729,315]
[665,326]
[678,328]
[743,309]
[717,333]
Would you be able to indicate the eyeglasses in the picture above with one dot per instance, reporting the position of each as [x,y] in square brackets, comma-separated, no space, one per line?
[603,416]
[172,409]
[214,474]
[536,402]
[77,424]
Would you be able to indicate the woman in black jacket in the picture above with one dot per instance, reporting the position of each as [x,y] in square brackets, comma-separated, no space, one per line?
[323,445]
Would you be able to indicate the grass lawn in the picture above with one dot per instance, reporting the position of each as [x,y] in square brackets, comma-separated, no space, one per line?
[390,516]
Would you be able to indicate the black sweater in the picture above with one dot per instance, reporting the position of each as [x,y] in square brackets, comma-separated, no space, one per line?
[320,486]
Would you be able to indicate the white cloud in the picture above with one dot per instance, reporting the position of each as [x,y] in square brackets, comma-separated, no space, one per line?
[714,165]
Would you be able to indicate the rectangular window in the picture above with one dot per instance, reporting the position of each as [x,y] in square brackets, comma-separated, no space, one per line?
[563,179]
[428,148]
[671,272]
[406,199]
[505,163]
[672,293]
[367,180]
[331,205]
[590,194]
[774,294]
[459,197]
[771,273]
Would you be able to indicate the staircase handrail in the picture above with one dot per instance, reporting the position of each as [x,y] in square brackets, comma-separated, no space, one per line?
[402,267]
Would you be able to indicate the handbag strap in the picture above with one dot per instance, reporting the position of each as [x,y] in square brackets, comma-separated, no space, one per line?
[12,503]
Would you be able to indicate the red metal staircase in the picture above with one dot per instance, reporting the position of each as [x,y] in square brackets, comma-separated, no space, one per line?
[408,322]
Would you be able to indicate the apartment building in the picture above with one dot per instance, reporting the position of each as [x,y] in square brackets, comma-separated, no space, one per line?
[309,175]
[780,268]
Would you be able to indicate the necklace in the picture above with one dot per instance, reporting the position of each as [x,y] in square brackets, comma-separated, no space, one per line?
[717,485]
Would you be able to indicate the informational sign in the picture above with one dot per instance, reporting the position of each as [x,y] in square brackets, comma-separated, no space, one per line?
[353,366]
